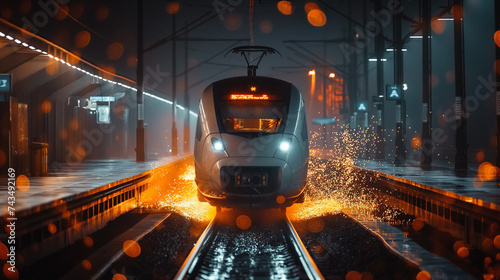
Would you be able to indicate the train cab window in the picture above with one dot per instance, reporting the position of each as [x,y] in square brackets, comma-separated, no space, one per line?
[251,106]
[251,125]
[261,117]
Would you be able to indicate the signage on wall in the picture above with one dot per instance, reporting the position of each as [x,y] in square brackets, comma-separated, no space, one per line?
[393,92]
[5,82]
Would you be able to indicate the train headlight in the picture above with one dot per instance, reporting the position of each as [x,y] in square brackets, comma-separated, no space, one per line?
[285,144]
[217,144]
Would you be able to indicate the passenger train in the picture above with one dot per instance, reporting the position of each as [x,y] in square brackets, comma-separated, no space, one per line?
[251,143]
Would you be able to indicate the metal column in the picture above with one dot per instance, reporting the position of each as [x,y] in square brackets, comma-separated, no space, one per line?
[427,146]
[187,132]
[379,50]
[400,157]
[497,54]
[175,151]
[460,111]
[139,148]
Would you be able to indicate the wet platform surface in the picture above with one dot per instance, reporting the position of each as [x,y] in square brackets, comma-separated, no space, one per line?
[438,267]
[71,180]
[441,176]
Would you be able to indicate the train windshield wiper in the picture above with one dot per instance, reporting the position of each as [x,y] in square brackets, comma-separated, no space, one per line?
[271,125]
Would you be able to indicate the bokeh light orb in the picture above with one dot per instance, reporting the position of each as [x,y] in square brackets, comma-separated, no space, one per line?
[316,18]
[285,7]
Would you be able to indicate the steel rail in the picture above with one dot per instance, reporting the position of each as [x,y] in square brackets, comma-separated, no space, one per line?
[306,259]
[199,252]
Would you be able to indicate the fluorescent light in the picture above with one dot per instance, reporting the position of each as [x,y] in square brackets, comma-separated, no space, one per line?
[393,50]
[445,18]
[418,37]
[91,74]
[158,98]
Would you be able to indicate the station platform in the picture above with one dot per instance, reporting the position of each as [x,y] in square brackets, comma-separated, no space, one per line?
[72,180]
[440,175]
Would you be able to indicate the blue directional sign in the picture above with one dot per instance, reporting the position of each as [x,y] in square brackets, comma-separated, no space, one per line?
[5,82]
[324,121]
[393,92]
[362,107]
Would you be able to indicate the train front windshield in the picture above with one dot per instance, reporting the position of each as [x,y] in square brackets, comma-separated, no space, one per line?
[241,113]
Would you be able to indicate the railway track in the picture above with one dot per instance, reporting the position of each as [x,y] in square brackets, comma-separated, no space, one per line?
[268,249]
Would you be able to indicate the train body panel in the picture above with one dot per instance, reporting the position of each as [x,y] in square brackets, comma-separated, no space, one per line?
[251,146]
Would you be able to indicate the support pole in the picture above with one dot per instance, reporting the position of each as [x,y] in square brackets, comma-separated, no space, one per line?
[379,50]
[427,148]
[353,85]
[175,151]
[497,54]
[460,111]
[400,157]
[139,149]
[187,132]
[325,76]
